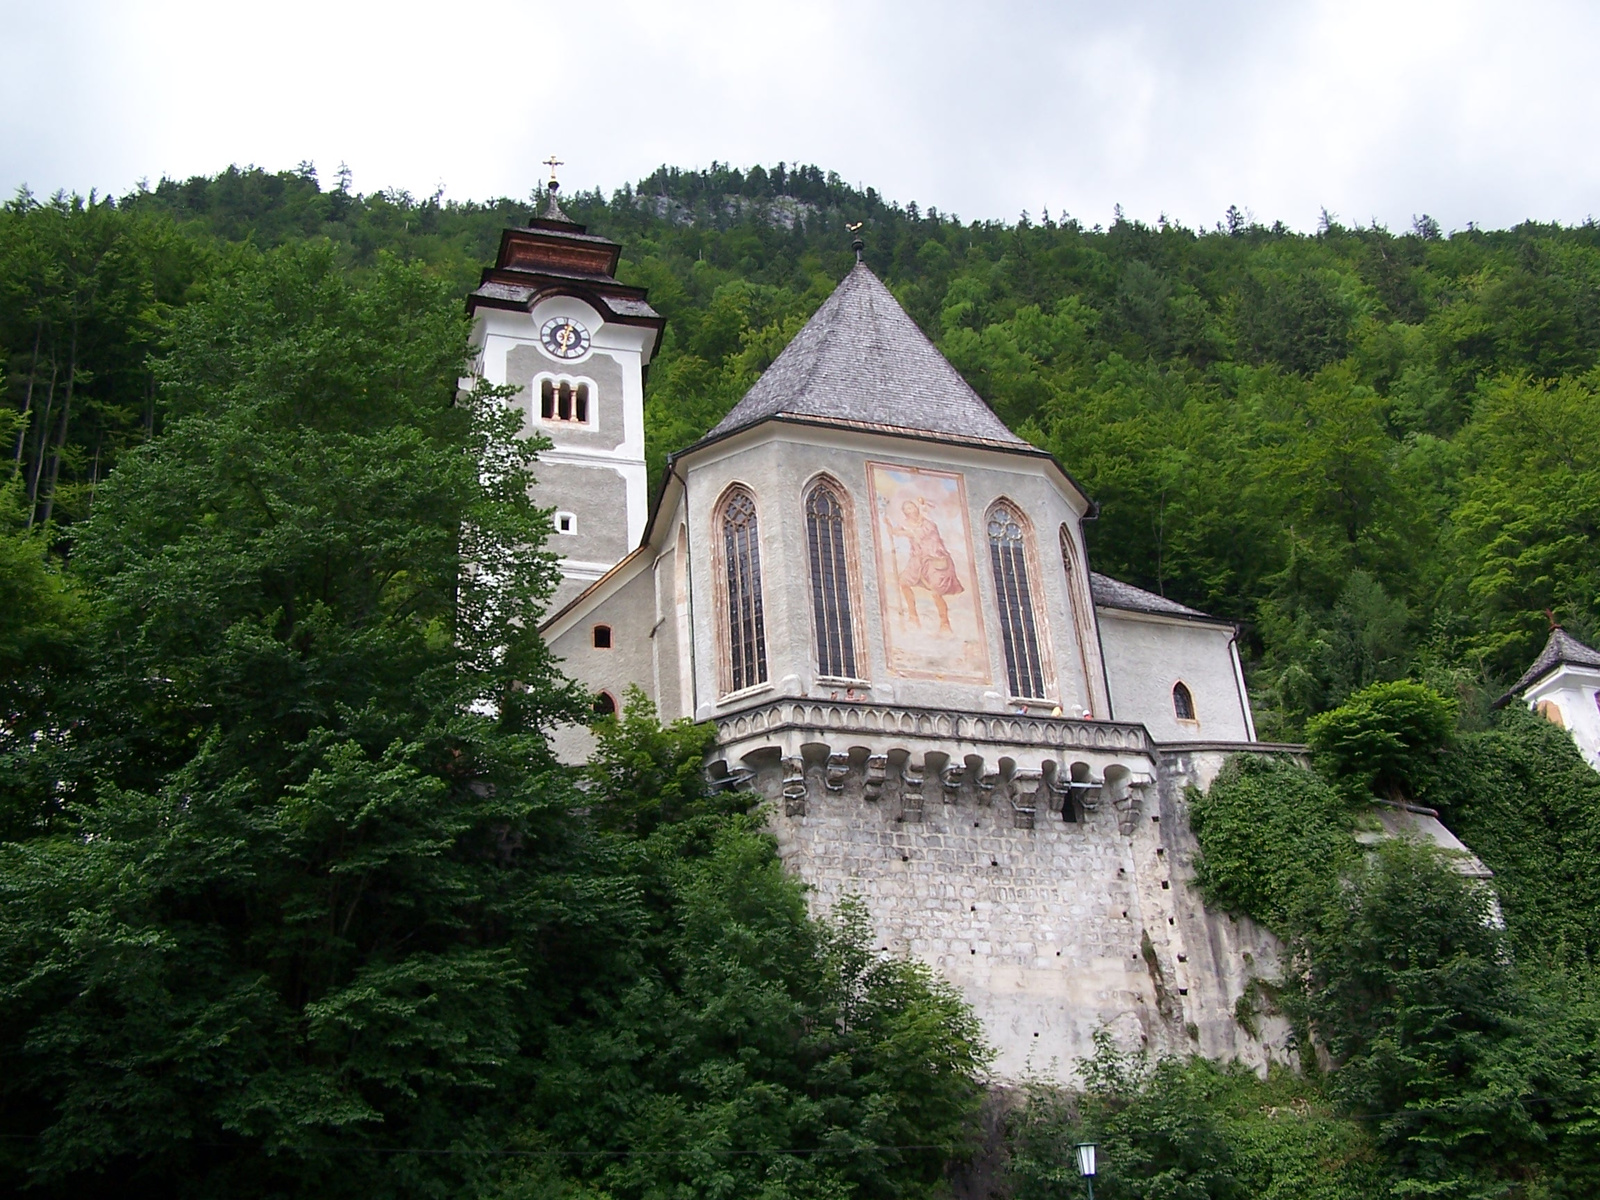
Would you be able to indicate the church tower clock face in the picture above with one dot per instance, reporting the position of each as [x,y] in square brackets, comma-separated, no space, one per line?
[564,337]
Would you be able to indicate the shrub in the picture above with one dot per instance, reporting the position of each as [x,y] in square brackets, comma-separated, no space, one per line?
[1385,738]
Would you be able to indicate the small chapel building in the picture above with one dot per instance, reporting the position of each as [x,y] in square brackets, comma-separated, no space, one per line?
[1563,687]
[882,599]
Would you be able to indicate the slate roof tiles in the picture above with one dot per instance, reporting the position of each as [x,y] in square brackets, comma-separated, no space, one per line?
[1561,648]
[861,360]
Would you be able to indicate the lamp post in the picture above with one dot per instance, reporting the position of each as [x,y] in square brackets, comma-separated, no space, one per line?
[1086,1164]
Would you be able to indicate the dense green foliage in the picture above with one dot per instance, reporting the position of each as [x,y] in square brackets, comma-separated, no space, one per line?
[1375,450]
[1190,1130]
[1271,831]
[294,899]
[1385,738]
[1469,1049]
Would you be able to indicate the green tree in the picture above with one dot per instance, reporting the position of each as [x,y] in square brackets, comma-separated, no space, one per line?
[1385,738]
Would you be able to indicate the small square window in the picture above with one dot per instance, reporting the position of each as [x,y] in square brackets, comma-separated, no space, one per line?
[566,523]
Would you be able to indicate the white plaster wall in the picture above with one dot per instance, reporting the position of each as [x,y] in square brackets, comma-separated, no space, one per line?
[778,462]
[628,607]
[1576,692]
[1146,655]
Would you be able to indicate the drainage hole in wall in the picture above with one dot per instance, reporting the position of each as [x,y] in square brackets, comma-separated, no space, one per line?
[974,824]
[1160,850]
[994,862]
[1058,954]
[1170,921]
[1183,958]
[905,858]
[972,951]
[1183,991]
[1036,1035]
[1124,912]
[974,908]
[1155,820]
[1165,886]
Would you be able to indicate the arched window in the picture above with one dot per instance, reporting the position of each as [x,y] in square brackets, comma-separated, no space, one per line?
[1182,702]
[564,400]
[741,564]
[830,581]
[602,637]
[605,704]
[1083,626]
[1008,555]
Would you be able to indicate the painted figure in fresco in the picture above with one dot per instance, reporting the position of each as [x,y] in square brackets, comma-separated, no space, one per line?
[929,567]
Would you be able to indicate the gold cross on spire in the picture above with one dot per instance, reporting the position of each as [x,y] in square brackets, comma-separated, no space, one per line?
[553,162]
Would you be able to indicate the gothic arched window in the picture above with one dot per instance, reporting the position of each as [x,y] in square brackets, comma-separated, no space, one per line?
[1008,555]
[1083,625]
[830,581]
[1182,701]
[741,564]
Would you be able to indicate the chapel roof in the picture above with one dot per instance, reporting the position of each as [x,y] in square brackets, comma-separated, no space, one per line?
[1561,648]
[861,361]
[1113,593]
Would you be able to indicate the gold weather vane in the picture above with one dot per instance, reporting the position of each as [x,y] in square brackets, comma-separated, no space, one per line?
[856,243]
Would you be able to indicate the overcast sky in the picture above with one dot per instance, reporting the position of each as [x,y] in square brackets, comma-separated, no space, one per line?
[1468,111]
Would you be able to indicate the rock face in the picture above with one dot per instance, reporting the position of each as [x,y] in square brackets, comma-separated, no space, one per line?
[1058,906]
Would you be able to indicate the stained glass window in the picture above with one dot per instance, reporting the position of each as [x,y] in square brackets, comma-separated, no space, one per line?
[830,582]
[1014,594]
[1182,702]
[741,555]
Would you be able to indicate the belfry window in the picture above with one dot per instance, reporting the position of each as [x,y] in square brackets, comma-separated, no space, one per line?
[741,563]
[1014,593]
[830,581]
[1182,702]
[564,400]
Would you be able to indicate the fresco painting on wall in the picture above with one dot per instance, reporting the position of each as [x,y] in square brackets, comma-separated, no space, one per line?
[932,622]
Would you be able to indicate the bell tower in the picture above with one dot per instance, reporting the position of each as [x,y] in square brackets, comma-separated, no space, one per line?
[551,320]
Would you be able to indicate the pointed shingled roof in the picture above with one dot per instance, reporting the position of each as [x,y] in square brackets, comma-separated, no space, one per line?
[1561,648]
[862,361]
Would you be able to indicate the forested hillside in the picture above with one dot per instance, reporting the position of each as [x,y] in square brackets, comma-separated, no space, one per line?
[294,900]
[1374,449]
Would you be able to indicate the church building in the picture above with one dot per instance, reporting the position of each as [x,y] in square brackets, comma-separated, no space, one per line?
[882,599]
[1563,687]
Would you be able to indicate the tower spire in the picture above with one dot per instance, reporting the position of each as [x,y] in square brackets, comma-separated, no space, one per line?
[552,210]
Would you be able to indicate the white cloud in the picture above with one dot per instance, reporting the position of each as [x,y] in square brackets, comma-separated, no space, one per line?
[1470,111]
